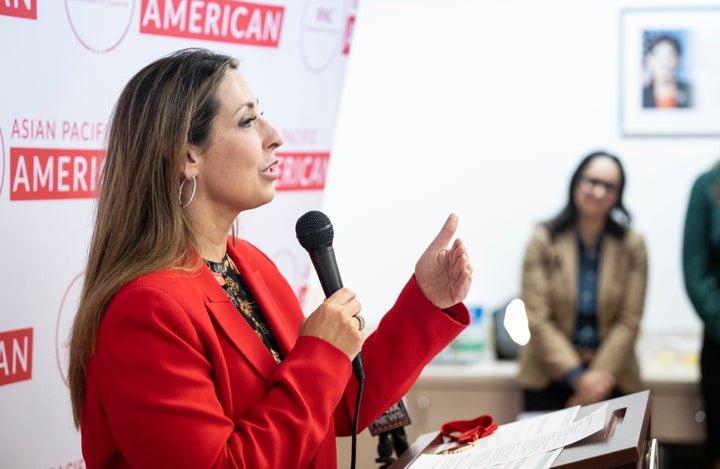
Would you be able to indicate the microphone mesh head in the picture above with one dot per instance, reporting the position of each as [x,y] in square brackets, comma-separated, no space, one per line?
[314,230]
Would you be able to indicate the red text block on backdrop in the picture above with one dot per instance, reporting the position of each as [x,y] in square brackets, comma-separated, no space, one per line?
[19,8]
[347,36]
[302,171]
[214,20]
[54,173]
[16,355]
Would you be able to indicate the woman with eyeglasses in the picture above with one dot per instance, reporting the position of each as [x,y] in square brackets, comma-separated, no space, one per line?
[583,284]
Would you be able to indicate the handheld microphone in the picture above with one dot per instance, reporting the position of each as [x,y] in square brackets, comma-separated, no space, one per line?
[390,430]
[315,233]
[395,417]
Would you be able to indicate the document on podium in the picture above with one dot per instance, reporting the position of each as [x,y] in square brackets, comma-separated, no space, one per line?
[531,443]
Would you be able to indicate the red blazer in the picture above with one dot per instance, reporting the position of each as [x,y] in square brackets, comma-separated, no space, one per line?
[179,379]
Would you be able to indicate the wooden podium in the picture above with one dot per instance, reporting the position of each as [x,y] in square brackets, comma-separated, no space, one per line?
[624,443]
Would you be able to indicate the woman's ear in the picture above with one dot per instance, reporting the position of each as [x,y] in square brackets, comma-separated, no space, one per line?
[192,161]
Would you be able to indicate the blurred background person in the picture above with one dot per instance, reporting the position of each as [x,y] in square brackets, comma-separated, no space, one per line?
[664,88]
[701,272]
[583,284]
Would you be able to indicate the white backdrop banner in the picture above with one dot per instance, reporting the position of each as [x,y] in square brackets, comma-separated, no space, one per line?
[64,63]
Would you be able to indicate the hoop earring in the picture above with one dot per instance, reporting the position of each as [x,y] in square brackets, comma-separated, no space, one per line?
[192,194]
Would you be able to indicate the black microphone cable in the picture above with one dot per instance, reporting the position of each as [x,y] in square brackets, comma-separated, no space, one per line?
[353,452]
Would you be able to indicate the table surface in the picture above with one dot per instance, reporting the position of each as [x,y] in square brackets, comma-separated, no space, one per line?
[666,357]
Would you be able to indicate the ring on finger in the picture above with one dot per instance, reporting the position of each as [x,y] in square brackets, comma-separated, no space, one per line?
[361,320]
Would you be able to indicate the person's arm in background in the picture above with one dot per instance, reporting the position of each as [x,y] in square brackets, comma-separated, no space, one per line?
[699,273]
[549,342]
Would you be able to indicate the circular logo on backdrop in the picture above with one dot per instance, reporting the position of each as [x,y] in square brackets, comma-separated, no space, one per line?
[66,315]
[2,161]
[100,25]
[322,32]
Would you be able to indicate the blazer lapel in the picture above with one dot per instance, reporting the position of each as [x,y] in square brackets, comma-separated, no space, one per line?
[568,249]
[607,274]
[234,326]
[284,336]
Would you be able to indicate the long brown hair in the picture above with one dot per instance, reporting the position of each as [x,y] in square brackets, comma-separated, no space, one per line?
[139,224]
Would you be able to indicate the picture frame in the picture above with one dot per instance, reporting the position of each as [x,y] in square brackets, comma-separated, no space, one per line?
[669,71]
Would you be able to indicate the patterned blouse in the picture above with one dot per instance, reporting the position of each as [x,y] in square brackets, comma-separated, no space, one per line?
[243,299]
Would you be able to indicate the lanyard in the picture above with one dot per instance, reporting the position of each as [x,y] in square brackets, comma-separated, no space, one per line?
[468,431]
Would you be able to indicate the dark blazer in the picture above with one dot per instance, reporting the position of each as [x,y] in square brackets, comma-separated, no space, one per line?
[549,291]
[179,379]
[684,96]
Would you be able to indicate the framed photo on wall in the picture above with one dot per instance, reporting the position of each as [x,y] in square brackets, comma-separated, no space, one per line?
[670,71]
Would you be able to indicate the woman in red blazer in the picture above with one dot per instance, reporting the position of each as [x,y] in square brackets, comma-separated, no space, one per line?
[189,349]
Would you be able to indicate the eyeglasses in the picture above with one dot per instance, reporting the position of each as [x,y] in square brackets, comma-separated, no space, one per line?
[589,184]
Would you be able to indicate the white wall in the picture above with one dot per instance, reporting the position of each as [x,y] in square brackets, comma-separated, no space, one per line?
[484,108]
